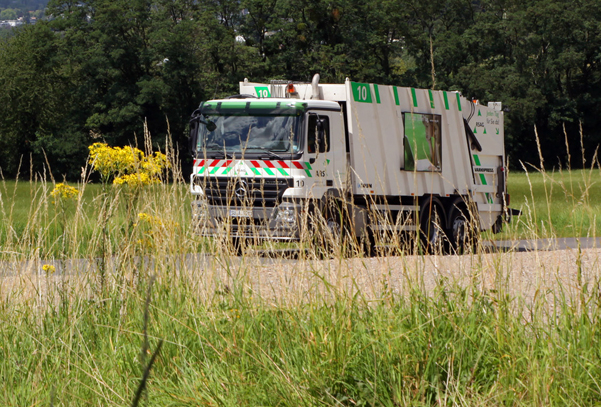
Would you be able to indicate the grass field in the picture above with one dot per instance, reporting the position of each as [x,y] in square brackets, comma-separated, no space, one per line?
[140,322]
[556,204]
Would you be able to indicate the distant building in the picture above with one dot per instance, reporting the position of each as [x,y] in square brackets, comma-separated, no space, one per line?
[11,23]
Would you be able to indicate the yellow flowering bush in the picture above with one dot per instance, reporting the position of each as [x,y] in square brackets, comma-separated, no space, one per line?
[128,165]
[64,191]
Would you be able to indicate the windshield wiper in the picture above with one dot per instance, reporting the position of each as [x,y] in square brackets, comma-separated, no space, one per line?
[218,153]
[270,153]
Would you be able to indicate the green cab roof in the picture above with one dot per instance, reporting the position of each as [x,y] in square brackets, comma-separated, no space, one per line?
[245,107]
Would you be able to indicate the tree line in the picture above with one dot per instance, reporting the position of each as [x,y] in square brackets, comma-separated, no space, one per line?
[97,70]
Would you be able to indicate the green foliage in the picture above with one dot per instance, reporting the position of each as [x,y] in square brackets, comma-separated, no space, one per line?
[38,111]
[109,66]
[8,14]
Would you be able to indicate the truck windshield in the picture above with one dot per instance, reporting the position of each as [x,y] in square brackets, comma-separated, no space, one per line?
[250,134]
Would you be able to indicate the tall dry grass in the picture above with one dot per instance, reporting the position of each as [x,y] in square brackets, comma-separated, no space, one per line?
[139,309]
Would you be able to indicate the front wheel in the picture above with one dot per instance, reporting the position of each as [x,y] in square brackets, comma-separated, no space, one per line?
[331,234]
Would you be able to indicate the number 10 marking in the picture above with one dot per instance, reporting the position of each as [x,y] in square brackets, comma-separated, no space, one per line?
[362,92]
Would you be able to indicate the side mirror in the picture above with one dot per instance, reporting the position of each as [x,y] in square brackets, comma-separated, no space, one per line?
[193,139]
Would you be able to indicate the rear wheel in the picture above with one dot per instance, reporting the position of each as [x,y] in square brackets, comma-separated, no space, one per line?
[432,236]
[463,233]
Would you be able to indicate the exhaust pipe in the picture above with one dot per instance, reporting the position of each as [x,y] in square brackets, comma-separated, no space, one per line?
[315,87]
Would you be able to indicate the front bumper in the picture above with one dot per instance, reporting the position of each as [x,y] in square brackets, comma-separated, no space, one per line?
[262,223]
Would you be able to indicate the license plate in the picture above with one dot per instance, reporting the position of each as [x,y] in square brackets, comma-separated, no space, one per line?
[241,213]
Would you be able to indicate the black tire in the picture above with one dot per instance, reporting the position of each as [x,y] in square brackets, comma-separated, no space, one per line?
[463,231]
[367,244]
[431,221]
[331,234]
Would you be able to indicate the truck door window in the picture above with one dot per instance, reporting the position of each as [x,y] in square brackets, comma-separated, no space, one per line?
[422,142]
[312,134]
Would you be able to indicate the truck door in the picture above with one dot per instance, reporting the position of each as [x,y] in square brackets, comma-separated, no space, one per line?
[325,152]
[318,151]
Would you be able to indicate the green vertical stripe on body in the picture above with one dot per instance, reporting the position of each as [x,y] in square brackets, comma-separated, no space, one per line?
[414,96]
[431,98]
[446,100]
[377,92]
[458,101]
[396,95]
[489,199]
[309,174]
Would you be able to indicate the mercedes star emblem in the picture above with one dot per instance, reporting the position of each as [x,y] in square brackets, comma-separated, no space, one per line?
[241,189]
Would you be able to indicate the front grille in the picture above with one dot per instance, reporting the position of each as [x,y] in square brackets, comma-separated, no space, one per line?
[249,192]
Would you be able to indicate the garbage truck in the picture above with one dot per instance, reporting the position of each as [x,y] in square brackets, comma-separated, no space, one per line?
[290,160]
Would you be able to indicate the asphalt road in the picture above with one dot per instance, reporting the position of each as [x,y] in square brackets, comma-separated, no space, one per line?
[544,244]
[71,266]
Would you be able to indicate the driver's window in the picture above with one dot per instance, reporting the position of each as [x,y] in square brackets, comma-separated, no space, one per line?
[312,134]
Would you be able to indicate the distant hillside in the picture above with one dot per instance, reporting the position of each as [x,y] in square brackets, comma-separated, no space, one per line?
[28,5]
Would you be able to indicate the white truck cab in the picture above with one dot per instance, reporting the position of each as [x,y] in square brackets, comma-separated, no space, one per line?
[368,159]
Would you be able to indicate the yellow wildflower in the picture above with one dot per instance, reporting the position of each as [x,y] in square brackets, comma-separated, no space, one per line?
[146,217]
[156,221]
[64,191]
[135,180]
[48,268]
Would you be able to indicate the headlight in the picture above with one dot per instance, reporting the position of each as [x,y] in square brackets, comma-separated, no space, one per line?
[200,210]
[196,185]
[286,216]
